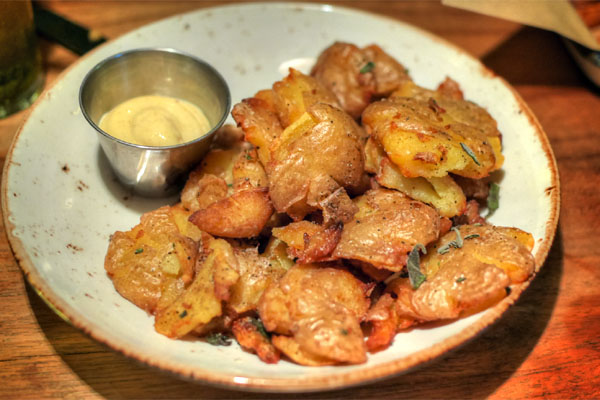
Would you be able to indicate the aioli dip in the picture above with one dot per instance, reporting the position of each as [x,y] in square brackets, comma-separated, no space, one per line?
[155,121]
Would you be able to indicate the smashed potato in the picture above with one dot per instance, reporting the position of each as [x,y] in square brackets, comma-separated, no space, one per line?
[386,227]
[343,209]
[146,260]
[432,133]
[301,179]
[357,76]
[321,309]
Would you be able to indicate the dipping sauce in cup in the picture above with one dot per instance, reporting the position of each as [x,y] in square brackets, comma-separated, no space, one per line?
[167,105]
[155,121]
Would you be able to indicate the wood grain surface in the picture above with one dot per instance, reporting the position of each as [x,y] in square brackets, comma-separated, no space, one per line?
[546,346]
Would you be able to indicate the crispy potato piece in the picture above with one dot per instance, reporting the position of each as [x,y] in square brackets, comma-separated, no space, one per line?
[471,215]
[202,190]
[181,217]
[209,182]
[251,335]
[389,73]
[276,252]
[450,88]
[339,69]
[248,172]
[384,323]
[201,301]
[321,307]
[151,259]
[386,228]
[257,272]
[356,75]
[258,119]
[468,278]
[296,93]
[291,348]
[309,242]
[423,139]
[300,178]
[441,193]
[506,248]
[242,215]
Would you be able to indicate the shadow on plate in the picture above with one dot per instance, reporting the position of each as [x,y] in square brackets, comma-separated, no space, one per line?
[124,195]
[475,370]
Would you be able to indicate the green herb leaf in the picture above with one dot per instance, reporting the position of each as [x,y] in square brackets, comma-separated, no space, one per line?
[218,339]
[415,276]
[456,243]
[469,152]
[344,332]
[248,156]
[493,198]
[138,251]
[368,67]
[183,314]
[460,279]
[259,326]
[230,185]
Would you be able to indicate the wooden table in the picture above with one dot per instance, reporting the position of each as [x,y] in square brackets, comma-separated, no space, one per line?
[546,346]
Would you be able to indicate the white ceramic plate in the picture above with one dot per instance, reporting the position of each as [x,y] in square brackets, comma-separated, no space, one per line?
[61,202]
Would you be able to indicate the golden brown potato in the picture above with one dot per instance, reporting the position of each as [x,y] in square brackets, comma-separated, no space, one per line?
[202,190]
[389,73]
[259,120]
[339,69]
[301,179]
[296,93]
[201,301]
[248,172]
[150,260]
[441,193]
[321,308]
[466,274]
[211,180]
[356,75]
[423,139]
[252,336]
[309,242]
[241,215]
[291,348]
[386,228]
[384,323]
[257,272]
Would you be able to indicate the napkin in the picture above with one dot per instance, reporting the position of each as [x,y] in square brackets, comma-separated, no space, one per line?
[556,15]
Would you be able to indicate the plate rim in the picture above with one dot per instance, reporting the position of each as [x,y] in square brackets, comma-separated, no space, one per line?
[346,379]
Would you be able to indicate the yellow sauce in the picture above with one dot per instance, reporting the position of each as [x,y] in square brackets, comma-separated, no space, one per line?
[155,121]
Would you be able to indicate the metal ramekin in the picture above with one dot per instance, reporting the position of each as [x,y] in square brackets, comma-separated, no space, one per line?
[148,170]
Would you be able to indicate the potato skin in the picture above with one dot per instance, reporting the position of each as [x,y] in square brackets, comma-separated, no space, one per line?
[202,300]
[465,279]
[242,215]
[386,228]
[134,258]
[432,133]
[300,177]
[296,93]
[357,76]
[309,242]
[321,308]
[249,337]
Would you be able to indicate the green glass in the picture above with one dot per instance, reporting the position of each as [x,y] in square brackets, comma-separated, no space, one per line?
[21,73]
